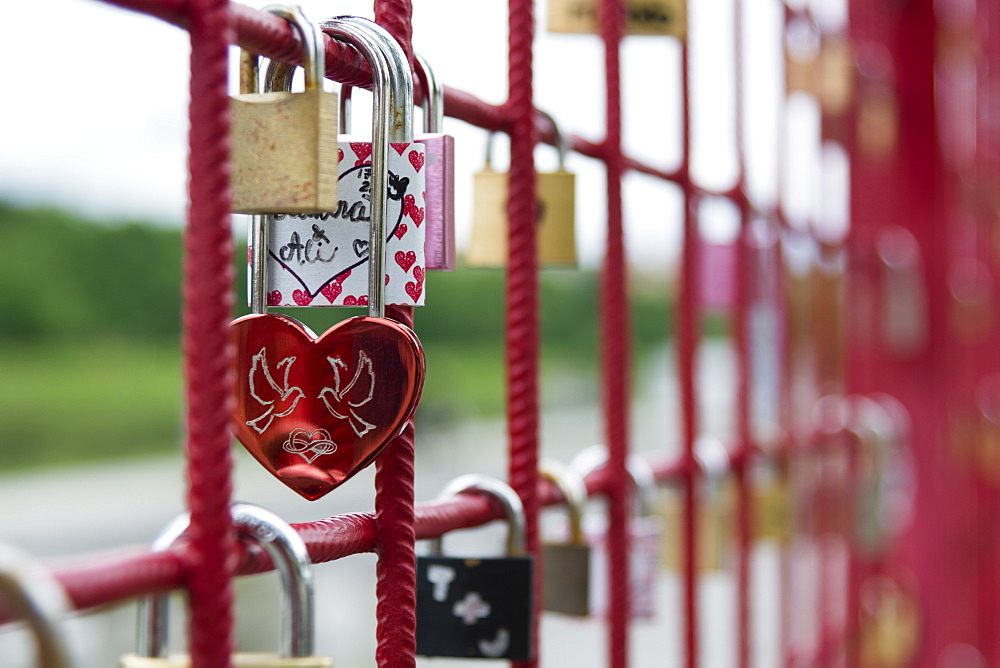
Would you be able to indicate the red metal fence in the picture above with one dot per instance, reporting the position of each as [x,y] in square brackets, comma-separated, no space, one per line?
[897,315]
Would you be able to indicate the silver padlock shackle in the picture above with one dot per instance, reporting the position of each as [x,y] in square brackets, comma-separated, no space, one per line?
[399,78]
[574,491]
[344,111]
[392,121]
[562,146]
[712,456]
[313,54]
[641,473]
[291,559]
[31,593]
[314,65]
[401,92]
[513,508]
[433,99]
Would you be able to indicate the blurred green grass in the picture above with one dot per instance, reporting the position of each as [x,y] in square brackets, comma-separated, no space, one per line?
[62,404]
[65,404]
[90,367]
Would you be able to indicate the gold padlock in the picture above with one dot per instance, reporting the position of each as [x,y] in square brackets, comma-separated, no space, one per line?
[890,624]
[284,151]
[642,17]
[714,531]
[556,235]
[772,511]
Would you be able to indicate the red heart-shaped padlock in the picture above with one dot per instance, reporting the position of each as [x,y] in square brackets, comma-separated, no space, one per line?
[316,410]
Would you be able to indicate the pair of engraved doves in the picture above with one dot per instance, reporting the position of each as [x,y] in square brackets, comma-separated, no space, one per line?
[341,401]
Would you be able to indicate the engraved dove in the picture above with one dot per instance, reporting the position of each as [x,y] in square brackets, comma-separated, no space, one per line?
[279,400]
[342,400]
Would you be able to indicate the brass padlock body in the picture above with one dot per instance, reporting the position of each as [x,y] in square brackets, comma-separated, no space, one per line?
[556,235]
[566,578]
[284,152]
[772,513]
[642,17]
[714,532]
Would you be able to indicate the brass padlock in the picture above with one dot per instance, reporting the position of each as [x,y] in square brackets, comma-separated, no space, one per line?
[890,624]
[642,17]
[714,532]
[645,537]
[715,519]
[284,145]
[290,557]
[556,236]
[566,563]
[772,510]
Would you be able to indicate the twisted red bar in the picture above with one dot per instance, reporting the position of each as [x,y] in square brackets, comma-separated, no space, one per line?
[208,303]
[108,577]
[396,611]
[522,331]
[615,346]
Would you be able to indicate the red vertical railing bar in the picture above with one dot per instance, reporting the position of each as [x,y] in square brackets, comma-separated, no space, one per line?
[615,341]
[688,326]
[744,446]
[207,309]
[786,410]
[522,283]
[395,588]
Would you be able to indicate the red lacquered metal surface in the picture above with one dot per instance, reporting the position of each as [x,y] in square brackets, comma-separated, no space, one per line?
[316,410]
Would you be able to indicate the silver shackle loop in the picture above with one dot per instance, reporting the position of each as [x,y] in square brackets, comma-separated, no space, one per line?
[433,98]
[639,471]
[290,557]
[344,110]
[562,146]
[513,508]
[313,54]
[399,80]
[31,593]
[392,120]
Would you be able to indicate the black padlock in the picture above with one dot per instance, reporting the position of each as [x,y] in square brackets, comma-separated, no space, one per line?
[566,562]
[478,607]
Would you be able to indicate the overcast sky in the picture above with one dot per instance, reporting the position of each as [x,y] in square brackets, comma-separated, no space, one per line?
[97,121]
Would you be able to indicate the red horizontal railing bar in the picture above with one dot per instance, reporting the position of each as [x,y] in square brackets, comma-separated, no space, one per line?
[272,37]
[99,579]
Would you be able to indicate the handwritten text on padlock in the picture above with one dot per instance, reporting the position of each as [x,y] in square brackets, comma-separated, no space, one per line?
[321,259]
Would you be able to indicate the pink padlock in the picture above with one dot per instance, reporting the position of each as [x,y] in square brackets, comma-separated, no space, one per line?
[439,180]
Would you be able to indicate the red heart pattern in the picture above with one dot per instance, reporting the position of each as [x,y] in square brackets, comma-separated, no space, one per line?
[405,260]
[417,214]
[332,290]
[302,298]
[416,159]
[400,230]
[316,410]
[399,147]
[363,150]
[273,297]
[414,290]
